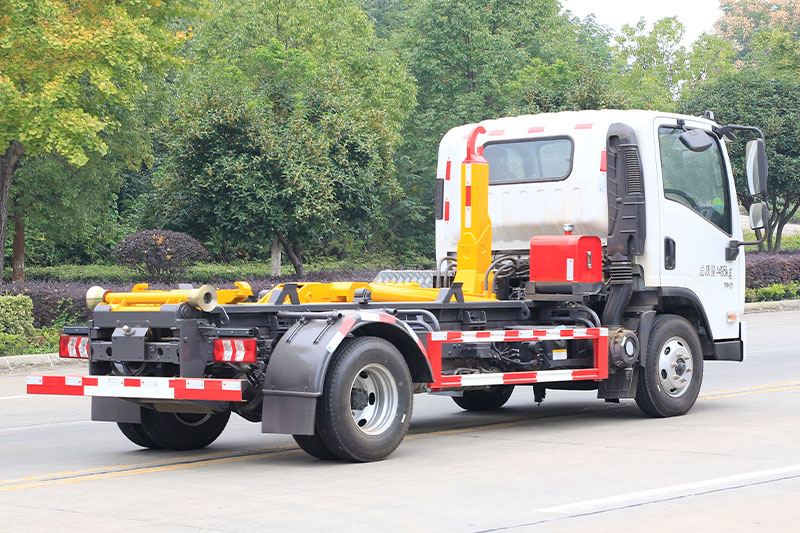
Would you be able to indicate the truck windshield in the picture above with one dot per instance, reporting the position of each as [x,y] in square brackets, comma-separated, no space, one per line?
[695,179]
[529,160]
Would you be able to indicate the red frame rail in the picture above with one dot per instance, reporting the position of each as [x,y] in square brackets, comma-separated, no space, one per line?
[437,339]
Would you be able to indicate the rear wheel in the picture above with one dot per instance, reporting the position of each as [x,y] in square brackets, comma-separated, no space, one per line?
[672,371]
[183,431]
[137,435]
[314,446]
[494,397]
[365,407]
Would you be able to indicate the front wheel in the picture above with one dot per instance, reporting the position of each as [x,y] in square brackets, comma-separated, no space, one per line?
[365,407]
[494,397]
[672,371]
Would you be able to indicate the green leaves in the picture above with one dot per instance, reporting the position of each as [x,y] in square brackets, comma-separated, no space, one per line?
[286,123]
[64,64]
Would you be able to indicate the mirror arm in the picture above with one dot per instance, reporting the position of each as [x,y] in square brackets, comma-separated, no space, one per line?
[732,250]
[720,130]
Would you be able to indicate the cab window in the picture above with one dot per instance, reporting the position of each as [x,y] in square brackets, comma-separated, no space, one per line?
[546,159]
[695,179]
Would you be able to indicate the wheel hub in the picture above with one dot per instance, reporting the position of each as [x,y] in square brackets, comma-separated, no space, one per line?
[373,399]
[675,367]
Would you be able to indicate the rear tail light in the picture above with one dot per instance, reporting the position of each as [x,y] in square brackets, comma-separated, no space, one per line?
[73,347]
[235,350]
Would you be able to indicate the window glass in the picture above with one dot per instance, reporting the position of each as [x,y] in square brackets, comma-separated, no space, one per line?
[531,160]
[695,179]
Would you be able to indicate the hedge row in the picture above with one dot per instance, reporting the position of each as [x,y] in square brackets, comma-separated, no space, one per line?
[763,269]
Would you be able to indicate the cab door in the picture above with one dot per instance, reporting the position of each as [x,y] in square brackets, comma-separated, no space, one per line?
[698,219]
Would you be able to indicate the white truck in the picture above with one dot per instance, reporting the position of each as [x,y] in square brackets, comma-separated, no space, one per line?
[575,250]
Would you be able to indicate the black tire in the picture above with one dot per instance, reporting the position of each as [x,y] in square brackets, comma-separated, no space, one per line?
[494,397]
[365,407]
[137,435]
[314,446]
[674,354]
[180,431]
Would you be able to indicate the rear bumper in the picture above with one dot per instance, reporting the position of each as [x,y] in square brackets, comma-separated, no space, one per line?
[145,388]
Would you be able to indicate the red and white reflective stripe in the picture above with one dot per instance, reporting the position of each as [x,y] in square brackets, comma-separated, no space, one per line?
[446,211]
[342,332]
[235,350]
[73,347]
[447,169]
[510,378]
[495,133]
[583,126]
[467,196]
[603,161]
[154,388]
[368,316]
[536,129]
[518,335]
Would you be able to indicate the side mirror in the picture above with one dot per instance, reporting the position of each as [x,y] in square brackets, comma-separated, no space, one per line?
[696,140]
[759,216]
[756,165]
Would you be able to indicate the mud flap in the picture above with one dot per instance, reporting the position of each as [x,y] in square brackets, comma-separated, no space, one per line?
[296,374]
[115,410]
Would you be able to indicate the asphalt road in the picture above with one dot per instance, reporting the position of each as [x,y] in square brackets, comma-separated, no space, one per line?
[573,463]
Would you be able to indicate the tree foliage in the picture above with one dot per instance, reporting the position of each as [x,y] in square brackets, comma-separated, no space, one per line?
[772,104]
[67,69]
[282,132]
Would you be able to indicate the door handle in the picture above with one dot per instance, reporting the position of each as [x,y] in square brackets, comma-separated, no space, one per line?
[669,253]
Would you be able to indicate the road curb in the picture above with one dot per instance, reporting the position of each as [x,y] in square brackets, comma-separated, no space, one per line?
[19,364]
[771,307]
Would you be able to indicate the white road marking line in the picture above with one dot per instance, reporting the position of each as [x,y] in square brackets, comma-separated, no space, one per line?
[14,397]
[638,496]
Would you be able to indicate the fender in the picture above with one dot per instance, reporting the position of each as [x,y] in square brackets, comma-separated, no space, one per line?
[713,349]
[295,375]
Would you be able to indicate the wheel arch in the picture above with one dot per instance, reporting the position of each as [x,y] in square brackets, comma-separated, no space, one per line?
[295,375]
[411,350]
[685,303]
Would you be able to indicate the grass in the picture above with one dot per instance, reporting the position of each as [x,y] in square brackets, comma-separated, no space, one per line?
[789,243]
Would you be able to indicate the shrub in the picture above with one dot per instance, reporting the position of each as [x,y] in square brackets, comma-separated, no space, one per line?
[159,254]
[44,340]
[764,269]
[54,303]
[773,293]
[16,315]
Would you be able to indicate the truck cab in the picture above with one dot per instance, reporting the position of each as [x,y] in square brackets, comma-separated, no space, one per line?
[549,170]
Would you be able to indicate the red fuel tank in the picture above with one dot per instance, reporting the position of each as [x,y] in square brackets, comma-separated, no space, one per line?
[566,258]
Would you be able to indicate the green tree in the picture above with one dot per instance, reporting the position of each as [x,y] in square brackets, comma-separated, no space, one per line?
[650,66]
[773,104]
[475,61]
[286,126]
[66,69]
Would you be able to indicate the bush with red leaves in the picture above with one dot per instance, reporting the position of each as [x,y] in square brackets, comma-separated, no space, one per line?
[763,269]
[160,255]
